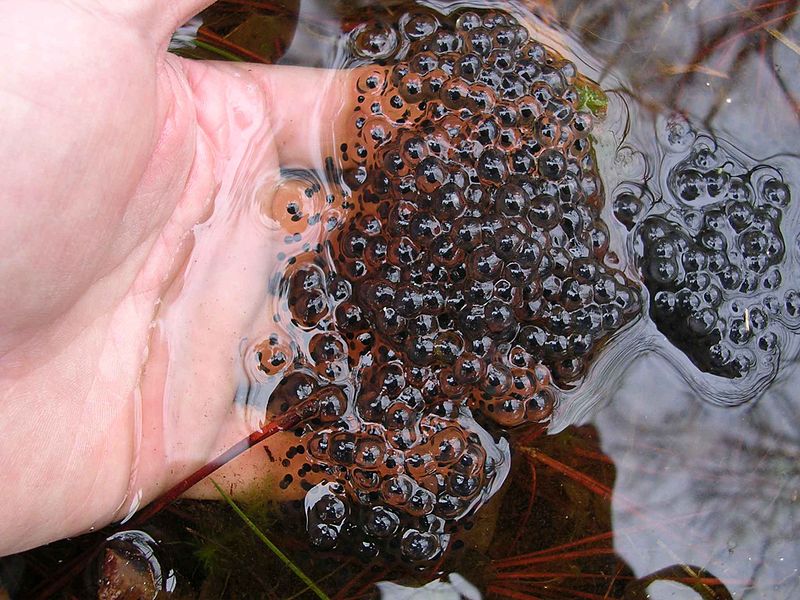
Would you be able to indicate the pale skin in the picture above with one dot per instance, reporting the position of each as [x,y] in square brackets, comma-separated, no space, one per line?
[117,368]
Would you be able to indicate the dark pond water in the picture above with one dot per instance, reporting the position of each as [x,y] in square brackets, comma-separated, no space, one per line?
[652,447]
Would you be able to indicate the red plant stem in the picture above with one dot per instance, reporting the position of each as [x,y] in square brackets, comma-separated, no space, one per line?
[532,577]
[555,552]
[268,6]
[342,593]
[753,28]
[548,591]
[747,9]
[286,421]
[526,561]
[531,435]
[577,593]
[617,576]
[70,570]
[598,456]
[555,549]
[591,484]
[364,590]
[507,593]
[595,486]
[529,510]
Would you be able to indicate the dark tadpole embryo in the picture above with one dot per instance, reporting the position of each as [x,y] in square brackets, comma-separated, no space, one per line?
[469,280]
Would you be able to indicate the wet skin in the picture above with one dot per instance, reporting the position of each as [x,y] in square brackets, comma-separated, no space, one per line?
[112,152]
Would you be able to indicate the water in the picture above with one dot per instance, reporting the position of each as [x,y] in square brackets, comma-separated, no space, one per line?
[662,464]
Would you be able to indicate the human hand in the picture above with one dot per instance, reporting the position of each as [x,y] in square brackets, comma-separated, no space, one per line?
[132,262]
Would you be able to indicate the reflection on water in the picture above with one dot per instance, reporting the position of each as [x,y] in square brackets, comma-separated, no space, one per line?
[725,481]
[726,64]
[648,478]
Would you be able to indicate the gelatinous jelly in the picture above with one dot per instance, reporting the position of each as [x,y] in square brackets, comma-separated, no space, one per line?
[467,283]
[714,262]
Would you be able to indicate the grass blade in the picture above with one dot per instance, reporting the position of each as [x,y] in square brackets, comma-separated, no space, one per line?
[283,558]
[223,53]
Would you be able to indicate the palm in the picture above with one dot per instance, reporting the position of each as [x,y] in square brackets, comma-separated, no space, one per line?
[124,317]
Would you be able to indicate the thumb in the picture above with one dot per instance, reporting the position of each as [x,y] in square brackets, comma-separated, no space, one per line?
[309,109]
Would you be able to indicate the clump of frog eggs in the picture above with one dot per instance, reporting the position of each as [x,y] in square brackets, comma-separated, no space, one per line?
[467,282]
[472,279]
[714,261]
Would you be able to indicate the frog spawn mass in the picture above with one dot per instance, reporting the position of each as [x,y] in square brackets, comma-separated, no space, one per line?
[468,282]
[475,240]
[714,263]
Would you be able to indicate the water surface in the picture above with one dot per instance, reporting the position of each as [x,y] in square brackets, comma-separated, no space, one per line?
[661,469]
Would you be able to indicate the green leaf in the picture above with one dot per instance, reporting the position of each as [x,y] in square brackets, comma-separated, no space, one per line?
[593,99]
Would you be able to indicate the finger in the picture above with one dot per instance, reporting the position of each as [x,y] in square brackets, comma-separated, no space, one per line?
[308,110]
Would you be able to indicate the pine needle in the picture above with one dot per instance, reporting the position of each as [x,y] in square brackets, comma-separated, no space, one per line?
[283,558]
